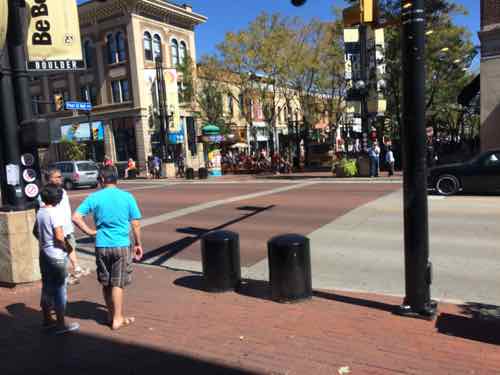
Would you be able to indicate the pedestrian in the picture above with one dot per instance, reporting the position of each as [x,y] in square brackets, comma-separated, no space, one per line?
[130,167]
[157,167]
[107,161]
[53,261]
[374,156]
[114,211]
[180,165]
[390,160]
[54,177]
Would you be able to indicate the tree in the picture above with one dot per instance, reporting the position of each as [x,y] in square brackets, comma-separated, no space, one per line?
[72,150]
[210,92]
[449,51]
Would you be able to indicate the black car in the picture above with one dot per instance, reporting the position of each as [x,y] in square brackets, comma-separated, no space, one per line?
[478,175]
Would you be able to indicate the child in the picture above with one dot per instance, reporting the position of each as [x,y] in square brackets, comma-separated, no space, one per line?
[53,261]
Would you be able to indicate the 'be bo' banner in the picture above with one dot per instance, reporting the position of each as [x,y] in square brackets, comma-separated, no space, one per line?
[53,38]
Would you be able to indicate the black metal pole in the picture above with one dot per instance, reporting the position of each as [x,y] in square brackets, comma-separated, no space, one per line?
[160,83]
[417,301]
[363,56]
[15,102]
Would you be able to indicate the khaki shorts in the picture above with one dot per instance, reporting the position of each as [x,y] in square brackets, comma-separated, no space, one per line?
[114,266]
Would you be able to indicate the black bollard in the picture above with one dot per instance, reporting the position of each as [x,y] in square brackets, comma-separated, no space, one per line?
[289,260]
[189,174]
[202,173]
[220,253]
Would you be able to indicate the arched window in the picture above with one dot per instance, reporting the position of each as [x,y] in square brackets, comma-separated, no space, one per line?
[148,47]
[111,46]
[174,47]
[182,53]
[120,46]
[157,48]
[89,53]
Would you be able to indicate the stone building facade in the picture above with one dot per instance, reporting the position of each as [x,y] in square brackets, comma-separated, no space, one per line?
[121,40]
[490,74]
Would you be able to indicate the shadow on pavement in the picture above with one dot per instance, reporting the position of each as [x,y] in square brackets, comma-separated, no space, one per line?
[25,349]
[354,301]
[470,328]
[168,251]
[194,282]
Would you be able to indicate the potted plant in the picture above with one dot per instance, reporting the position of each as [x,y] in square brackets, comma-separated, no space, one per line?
[345,168]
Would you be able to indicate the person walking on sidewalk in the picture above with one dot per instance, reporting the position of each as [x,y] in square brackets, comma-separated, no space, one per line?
[54,177]
[114,211]
[374,155]
[53,261]
[390,160]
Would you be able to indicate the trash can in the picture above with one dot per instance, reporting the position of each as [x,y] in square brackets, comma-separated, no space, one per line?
[189,174]
[220,253]
[289,259]
[202,173]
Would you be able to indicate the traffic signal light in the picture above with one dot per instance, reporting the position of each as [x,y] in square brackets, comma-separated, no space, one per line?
[95,134]
[364,12]
[59,102]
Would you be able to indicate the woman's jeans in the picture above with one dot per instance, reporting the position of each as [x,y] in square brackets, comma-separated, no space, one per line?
[374,165]
[54,282]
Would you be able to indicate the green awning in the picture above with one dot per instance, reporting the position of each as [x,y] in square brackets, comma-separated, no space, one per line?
[210,129]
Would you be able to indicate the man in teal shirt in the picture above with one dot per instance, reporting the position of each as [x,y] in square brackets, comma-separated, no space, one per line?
[114,211]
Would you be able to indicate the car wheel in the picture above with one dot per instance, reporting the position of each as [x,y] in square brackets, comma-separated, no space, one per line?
[447,185]
[68,185]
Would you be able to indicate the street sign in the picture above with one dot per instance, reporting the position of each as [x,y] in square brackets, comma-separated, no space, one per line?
[82,106]
[29,175]
[27,160]
[31,190]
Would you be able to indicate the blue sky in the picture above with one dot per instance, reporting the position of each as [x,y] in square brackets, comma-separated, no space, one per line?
[233,15]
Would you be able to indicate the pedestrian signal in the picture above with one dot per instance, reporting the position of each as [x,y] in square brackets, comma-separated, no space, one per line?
[59,102]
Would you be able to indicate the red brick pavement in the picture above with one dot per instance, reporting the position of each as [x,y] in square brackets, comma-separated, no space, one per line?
[181,329]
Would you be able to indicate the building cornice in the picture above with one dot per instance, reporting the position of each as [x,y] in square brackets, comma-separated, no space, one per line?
[92,12]
[490,42]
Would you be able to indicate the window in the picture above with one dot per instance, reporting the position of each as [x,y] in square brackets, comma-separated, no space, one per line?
[120,91]
[120,46]
[174,47]
[89,53]
[157,48]
[36,105]
[111,47]
[148,47]
[182,53]
[88,93]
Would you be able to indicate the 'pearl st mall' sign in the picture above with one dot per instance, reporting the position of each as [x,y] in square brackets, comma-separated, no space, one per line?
[53,41]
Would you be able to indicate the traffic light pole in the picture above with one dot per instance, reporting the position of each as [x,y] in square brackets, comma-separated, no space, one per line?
[417,302]
[164,129]
[15,102]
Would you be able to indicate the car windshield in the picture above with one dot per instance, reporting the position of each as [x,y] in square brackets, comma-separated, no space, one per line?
[87,167]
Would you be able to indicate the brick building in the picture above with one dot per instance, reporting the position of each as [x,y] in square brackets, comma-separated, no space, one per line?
[490,74]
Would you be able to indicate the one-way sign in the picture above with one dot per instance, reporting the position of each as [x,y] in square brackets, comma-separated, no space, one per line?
[82,106]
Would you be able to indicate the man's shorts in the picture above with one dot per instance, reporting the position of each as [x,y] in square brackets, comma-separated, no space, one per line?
[114,266]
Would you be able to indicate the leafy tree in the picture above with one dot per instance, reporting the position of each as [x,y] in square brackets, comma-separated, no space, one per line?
[72,150]
[449,51]
[210,92]
[187,68]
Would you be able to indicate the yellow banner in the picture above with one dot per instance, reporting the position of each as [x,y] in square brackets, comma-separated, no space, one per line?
[4,15]
[53,40]
[172,96]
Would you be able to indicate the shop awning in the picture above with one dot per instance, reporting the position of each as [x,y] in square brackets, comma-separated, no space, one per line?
[210,129]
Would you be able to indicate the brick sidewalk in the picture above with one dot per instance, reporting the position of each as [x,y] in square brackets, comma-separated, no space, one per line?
[181,329]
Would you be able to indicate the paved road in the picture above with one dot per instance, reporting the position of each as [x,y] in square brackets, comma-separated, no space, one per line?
[355,231]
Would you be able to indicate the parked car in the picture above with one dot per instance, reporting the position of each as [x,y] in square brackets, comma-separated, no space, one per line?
[78,173]
[481,174]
